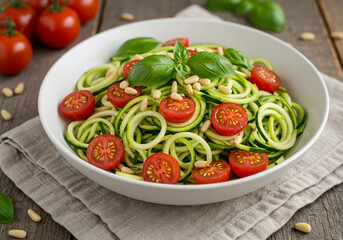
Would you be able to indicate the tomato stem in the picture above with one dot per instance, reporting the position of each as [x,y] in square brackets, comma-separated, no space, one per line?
[56,6]
[17,4]
[10,27]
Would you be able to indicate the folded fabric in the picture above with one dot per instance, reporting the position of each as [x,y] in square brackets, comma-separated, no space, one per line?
[90,211]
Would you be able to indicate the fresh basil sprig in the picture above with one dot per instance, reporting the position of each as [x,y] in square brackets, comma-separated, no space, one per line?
[223,5]
[244,7]
[137,45]
[6,209]
[181,57]
[236,57]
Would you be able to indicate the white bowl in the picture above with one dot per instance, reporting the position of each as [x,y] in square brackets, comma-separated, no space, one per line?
[299,76]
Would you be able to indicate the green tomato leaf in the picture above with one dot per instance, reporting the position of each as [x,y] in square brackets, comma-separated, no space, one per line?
[237,58]
[222,5]
[180,53]
[6,209]
[137,45]
[210,65]
[268,15]
[182,69]
[244,7]
[152,71]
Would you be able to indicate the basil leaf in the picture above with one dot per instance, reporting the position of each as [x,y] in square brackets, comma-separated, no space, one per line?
[152,71]
[182,69]
[244,7]
[6,209]
[180,53]
[268,15]
[236,57]
[223,5]
[137,45]
[210,65]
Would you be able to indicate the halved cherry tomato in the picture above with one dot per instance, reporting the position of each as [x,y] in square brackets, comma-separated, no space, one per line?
[118,97]
[161,168]
[218,171]
[128,66]
[78,105]
[265,79]
[191,52]
[177,110]
[244,163]
[229,118]
[171,42]
[105,152]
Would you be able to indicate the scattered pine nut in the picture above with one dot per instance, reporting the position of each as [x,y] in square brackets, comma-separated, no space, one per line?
[307,36]
[5,115]
[138,57]
[176,96]
[205,126]
[197,86]
[169,54]
[224,89]
[200,164]
[7,92]
[156,94]
[220,51]
[34,216]
[189,89]
[237,140]
[191,80]
[205,81]
[130,90]
[17,233]
[303,227]
[124,84]
[337,35]
[19,89]
[199,50]
[144,104]
[127,16]
[174,87]
[109,73]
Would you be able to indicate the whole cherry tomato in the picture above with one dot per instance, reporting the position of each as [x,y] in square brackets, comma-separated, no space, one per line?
[86,9]
[37,5]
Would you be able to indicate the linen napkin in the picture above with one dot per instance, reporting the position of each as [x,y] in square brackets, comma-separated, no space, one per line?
[90,211]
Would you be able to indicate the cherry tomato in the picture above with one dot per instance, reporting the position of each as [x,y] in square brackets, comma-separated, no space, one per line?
[86,9]
[183,41]
[15,53]
[58,29]
[244,163]
[37,5]
[78,105]
[128,66]
[191,52]
[229,118]
[265,79]
[177,110]
[218,171]
[118,97]
[105,152]
[161,168]
[24,18]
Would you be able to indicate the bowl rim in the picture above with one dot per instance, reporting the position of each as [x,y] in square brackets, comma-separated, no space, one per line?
[72,157]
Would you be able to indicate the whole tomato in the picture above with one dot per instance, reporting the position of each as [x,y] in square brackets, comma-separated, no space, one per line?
[37,5]
[86,9]
[22,15]
[15,51]
[58,26]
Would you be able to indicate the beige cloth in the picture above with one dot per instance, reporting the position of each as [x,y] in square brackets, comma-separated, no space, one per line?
[90,211]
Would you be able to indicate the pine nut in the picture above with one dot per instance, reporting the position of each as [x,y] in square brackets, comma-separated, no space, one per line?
[138,57]
[176,96]
[200,164]
[124,84]
[144,104]
[127,170]
[237,140]
[109,73]
[19,89]
[5,115]
[34,216]
[120,72]
[205,126]
[7,92]
[127,16]
[191,80]
[220,51]
[156,94]
[174,87]
[337,35]
[169,54]
[307,36]
[17,233]
[182,94]
[130,90]
[303,227]
[224,89]
[199,50]
[205,81]
[189,89]
[197,86]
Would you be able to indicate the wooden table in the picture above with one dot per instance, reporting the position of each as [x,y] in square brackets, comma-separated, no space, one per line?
[320,17]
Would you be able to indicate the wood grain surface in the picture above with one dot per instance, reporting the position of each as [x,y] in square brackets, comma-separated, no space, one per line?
[320,17]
